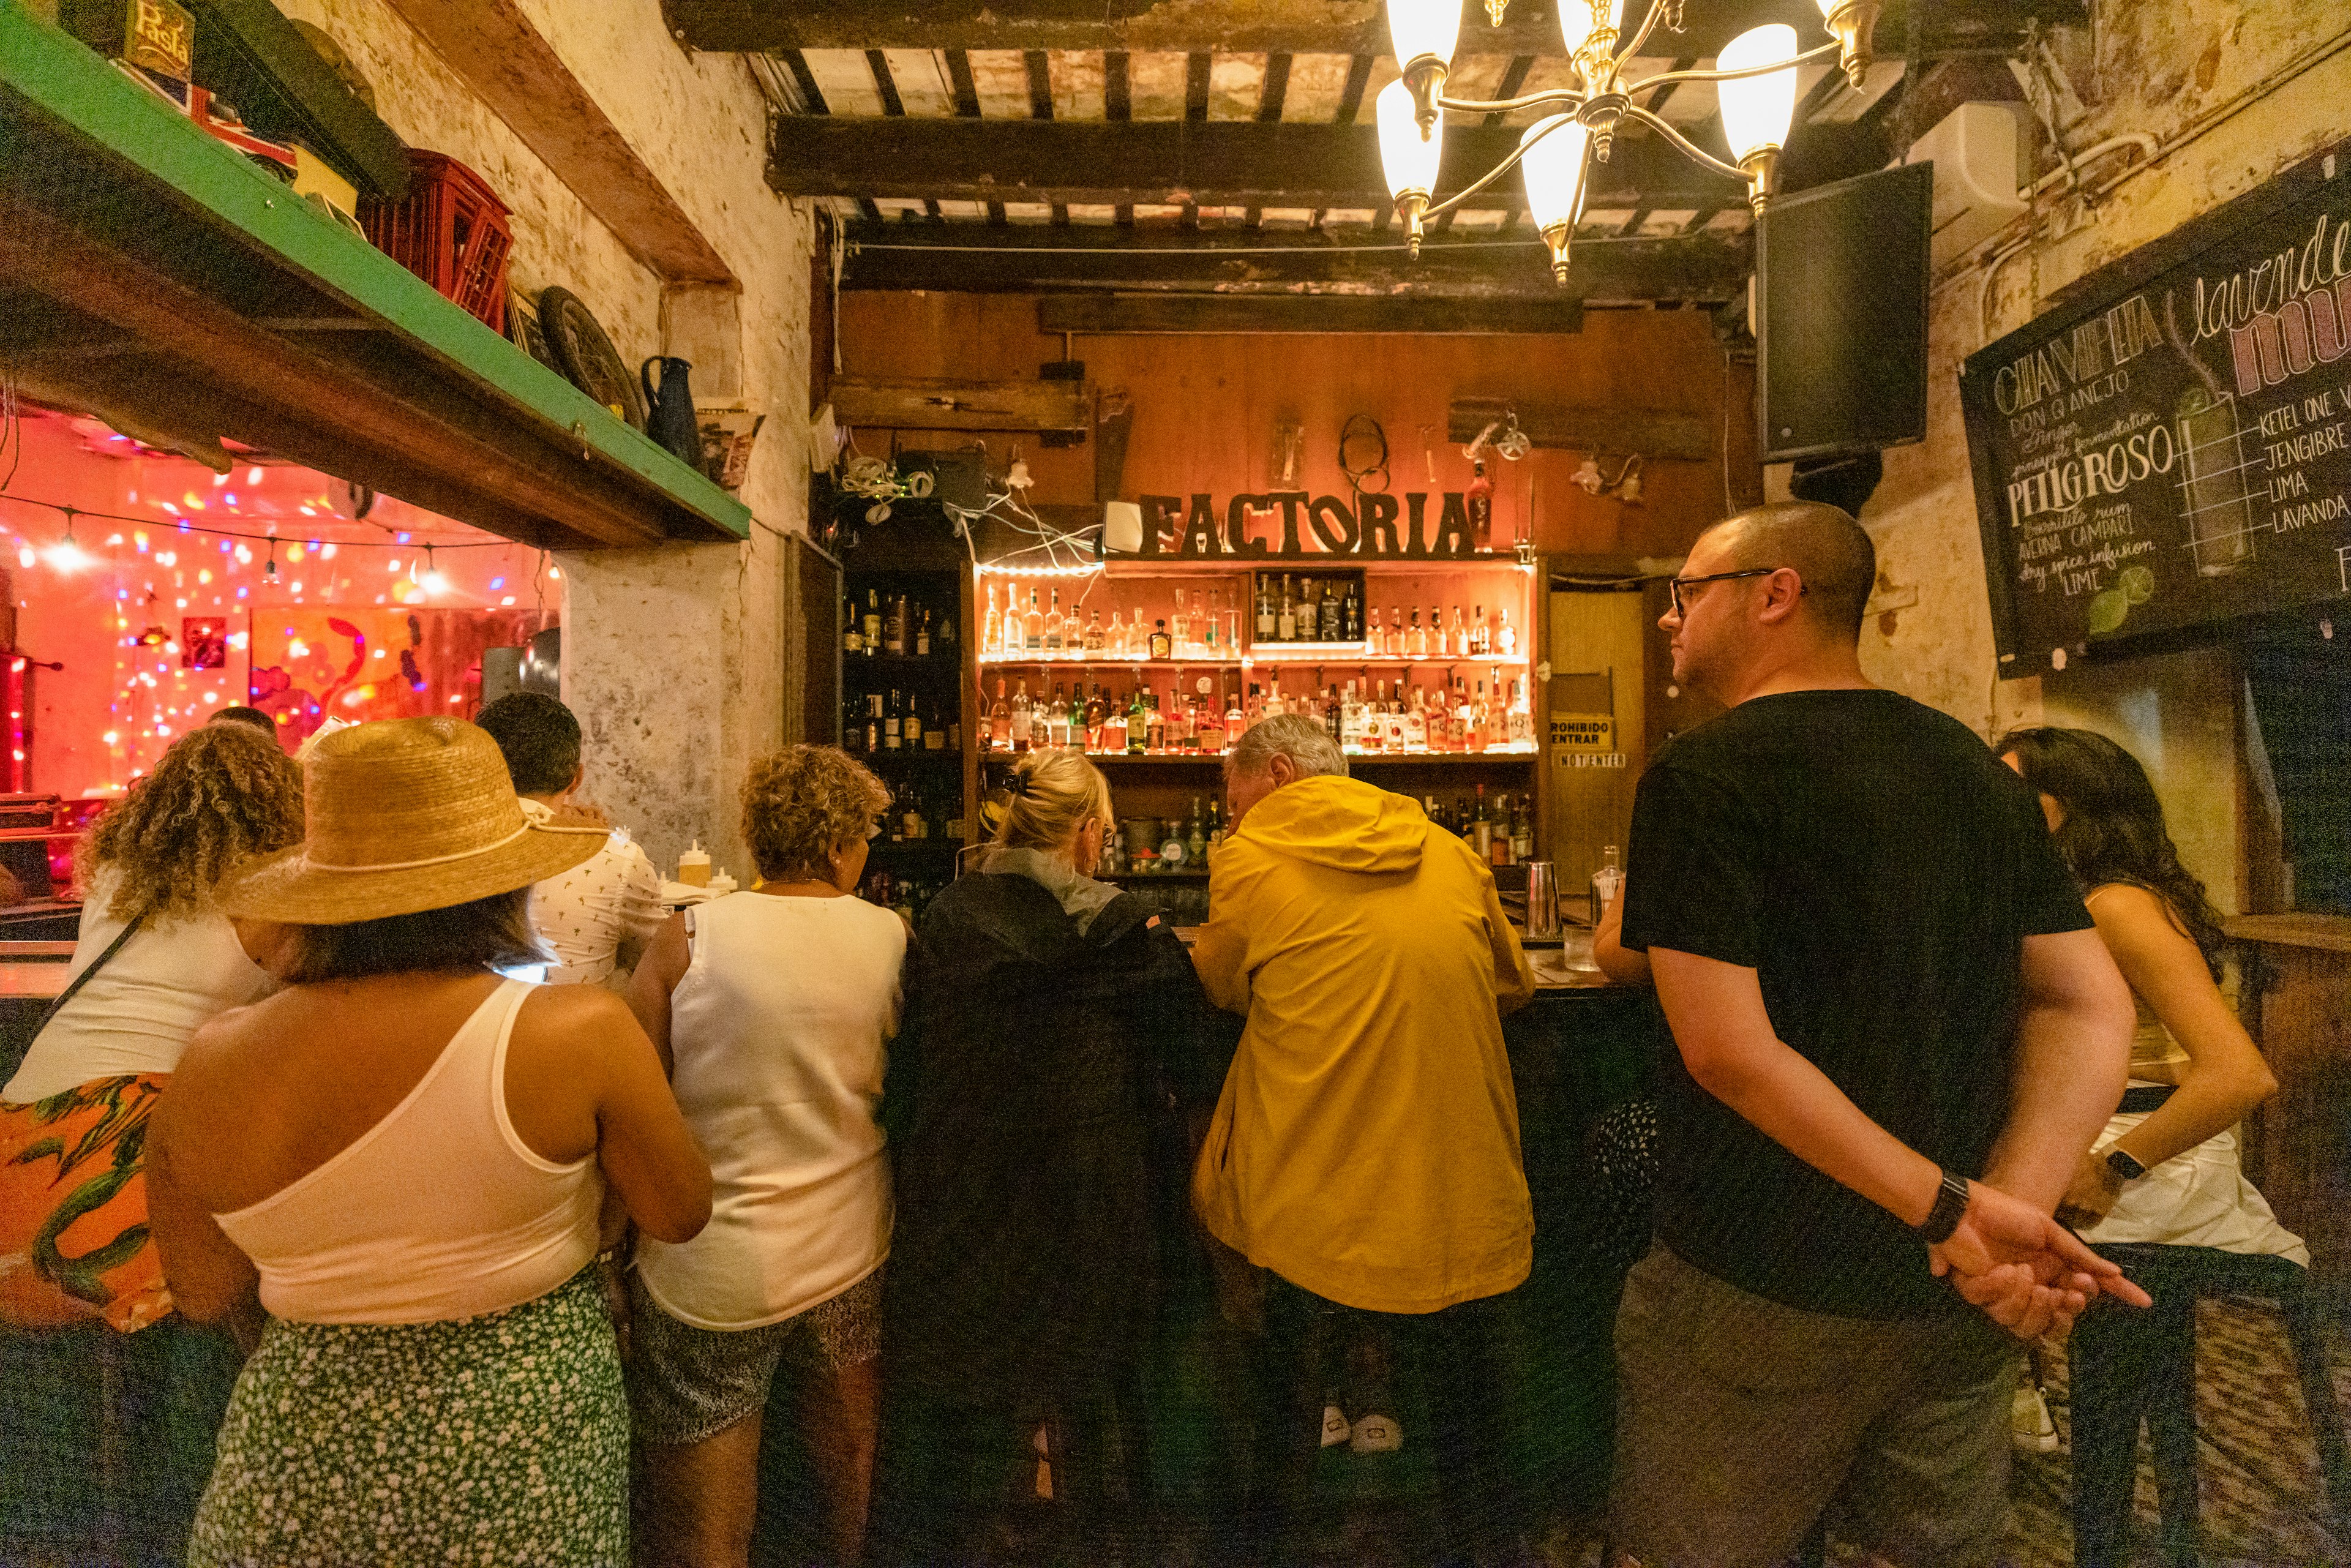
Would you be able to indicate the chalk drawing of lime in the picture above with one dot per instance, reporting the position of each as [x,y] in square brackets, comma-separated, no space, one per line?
[2138,584]
[2107,611]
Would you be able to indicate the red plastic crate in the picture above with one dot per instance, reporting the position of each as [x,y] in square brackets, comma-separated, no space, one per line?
[450,230]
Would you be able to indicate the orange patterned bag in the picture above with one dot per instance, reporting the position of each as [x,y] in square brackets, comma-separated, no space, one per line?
[74,1242]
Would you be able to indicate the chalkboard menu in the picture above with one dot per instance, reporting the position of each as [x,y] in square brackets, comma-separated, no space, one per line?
[2173,450]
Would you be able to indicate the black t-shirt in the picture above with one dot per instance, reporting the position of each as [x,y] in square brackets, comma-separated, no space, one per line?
[1879,868]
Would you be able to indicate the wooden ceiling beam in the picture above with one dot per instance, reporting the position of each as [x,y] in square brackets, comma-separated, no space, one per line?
[1279,27]
[1208,163]
[952,257]
[1167,313]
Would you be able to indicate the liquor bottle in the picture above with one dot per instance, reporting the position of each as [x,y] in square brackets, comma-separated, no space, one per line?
[1522,833]
[1506,641]
[1114,728]
[1334,617]
[1032,626]
[1441,736]
[934,738]
[1024,721]
[1266,612]
[1093,638]
[893,637]
[1497,848]
[910,726]
[1435,630]
[1479,497]
[1351,620]
[922,636]
[1254,713]
[1481,829]
[1396,642]
[1418,642]
[1182,722]
[1053,727]
[1482,640]
[1285,621]
[1000,721]
[1054,636]
[1154,724]
[1232,626]
[1460,633]
[1216,821]
[1416,721]
[1179,626]
[1475,720]
[852,630]
[872,721]
[909,815]
[1195,835]
[1095,713]
[1138,724]
[1332,721]
[1606,884]
[1376,640]
[1204,627]
[1115,639]
[1162,646]
[872,621]
[1235,719]
[1351,720]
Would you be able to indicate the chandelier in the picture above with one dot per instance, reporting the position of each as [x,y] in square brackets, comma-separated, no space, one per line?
[1756,74]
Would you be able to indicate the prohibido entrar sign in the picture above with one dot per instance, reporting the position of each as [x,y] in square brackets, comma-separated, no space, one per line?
[2173,450]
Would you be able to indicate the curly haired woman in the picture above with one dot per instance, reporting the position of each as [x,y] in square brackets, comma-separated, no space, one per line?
[771,1009]
[156,960]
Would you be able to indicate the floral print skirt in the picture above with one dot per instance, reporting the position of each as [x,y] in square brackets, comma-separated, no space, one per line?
[499,1439]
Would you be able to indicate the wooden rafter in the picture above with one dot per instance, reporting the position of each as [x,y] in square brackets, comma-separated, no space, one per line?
[1209,163]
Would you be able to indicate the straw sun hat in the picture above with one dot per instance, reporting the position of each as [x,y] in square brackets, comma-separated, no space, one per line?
[404,815]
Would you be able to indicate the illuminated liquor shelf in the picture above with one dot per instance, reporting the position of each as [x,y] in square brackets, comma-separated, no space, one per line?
[1286,653]
[1161,759]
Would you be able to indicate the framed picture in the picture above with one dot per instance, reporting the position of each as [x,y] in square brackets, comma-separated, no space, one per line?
[203,643]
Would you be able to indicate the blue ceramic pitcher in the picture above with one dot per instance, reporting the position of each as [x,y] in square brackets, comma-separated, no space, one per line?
[669,409]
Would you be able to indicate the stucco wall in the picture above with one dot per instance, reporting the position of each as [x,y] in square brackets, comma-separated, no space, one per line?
[2232,93]
[673,656]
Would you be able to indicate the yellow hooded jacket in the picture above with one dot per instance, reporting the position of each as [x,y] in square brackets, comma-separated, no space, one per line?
[1367,1144]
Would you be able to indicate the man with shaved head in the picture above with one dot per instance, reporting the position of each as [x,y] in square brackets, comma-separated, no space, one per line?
[1897,1032]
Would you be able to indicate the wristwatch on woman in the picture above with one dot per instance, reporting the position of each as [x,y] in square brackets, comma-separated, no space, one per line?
[2122,1166]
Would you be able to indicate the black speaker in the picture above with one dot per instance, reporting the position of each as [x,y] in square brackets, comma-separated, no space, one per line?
[1840,328]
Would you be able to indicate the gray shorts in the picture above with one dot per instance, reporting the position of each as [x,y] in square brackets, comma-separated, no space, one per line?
[1740,1421]
[686,1384]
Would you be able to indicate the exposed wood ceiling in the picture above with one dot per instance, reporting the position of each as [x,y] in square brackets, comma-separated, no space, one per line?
[1125,145]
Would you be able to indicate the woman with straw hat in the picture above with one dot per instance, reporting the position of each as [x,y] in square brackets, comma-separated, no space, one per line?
[405,1155]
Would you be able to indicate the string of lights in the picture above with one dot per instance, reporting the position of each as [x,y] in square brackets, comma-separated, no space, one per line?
[181,525]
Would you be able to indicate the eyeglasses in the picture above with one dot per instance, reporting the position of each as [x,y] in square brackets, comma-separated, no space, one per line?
[1674,585]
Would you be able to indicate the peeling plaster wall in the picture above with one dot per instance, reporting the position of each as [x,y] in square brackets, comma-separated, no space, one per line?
[674,656]
[2232,93]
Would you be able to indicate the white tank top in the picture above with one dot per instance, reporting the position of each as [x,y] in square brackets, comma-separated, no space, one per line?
[777,1027]
[136,1014]
[439,1211]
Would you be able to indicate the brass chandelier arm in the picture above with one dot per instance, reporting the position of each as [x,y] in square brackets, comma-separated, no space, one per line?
[1688,149]
[1633,50]
[1663,77]
[1569,98]
[1438,209]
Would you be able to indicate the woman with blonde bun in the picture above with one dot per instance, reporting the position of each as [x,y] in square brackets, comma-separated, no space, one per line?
[1055,1024]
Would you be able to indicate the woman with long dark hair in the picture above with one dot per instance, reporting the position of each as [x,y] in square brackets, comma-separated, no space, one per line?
[2160,1192]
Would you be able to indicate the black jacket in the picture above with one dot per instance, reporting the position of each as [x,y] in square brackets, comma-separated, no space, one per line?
[1030,1104]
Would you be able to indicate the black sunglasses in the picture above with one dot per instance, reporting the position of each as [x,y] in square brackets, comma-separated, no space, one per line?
[1674,585]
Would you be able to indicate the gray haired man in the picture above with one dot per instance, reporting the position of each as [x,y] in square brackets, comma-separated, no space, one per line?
[1365,1151]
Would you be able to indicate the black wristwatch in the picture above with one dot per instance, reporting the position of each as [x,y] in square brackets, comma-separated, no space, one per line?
[1950,1207]
[2122,1166]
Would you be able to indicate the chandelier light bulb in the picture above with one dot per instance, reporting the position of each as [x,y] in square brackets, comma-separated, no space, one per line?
[1551,159]
[1852,22]
[1408,156]
[1756,109]
[1589,28]
[1423,29]
[1423,32]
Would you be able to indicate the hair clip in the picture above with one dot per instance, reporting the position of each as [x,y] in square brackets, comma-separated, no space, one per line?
[1017,785]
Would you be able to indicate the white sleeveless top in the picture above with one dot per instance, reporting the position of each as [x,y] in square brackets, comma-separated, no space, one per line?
[778,1028]
[439,1211]
[135,1016]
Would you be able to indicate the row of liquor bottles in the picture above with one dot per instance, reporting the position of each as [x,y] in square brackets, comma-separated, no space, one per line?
[917,813]
[895,890]
[1197,627]
[1411,720]
[898,625]
[901,722]
[1500,828]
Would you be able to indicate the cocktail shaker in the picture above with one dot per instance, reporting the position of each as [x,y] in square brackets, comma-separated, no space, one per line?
[1542,900]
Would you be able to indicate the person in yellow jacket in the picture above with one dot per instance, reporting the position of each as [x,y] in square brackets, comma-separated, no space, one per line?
[1364,1153]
